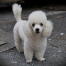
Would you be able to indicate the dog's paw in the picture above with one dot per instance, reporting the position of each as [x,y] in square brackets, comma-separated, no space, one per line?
[28,61]
[41,59]
[20,50]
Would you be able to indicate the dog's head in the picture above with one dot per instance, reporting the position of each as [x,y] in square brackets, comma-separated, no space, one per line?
[36,21]
[39,24]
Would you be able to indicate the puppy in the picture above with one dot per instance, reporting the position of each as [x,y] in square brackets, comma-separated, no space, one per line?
[32,34]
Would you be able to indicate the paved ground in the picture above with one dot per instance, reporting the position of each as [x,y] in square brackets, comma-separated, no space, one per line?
[56,49]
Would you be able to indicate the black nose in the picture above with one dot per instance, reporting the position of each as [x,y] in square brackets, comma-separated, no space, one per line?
[37,30]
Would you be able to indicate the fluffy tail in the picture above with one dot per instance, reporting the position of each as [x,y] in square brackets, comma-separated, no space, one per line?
[17,9]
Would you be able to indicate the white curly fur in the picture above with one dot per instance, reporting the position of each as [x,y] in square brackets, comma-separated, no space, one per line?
[26,36]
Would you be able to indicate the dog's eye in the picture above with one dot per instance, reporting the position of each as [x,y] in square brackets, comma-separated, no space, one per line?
[41,24]
[33,24]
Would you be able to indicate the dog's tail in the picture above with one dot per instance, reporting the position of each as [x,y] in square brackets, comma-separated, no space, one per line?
[17,9]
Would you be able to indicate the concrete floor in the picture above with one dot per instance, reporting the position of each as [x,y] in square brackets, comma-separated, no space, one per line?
[56,50]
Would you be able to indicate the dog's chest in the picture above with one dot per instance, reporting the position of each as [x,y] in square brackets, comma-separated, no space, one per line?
[36,43]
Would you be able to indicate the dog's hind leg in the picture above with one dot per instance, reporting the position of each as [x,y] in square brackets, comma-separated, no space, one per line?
[18,43]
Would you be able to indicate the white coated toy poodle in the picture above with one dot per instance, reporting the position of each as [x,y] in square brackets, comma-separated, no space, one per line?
[31,35]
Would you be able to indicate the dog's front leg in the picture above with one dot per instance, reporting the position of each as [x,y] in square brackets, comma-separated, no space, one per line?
[39,53]
[28,52]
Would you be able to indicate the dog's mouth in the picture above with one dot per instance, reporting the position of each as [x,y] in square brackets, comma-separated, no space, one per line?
[37,32]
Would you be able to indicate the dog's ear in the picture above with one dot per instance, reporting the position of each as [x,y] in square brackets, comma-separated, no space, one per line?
[48,29]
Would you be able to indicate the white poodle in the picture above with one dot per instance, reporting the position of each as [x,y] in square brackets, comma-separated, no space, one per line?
[32,33]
